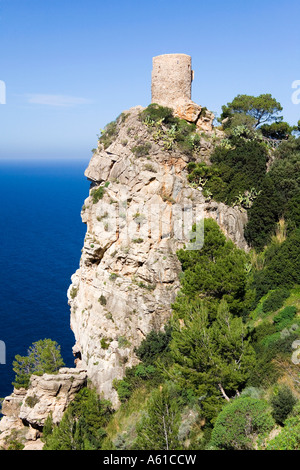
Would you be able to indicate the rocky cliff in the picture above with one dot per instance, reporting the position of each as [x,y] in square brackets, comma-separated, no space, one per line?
[25,411]
[139,212]
[129,274]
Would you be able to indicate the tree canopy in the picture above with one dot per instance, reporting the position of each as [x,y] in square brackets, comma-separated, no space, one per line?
[42,357]
[263,108]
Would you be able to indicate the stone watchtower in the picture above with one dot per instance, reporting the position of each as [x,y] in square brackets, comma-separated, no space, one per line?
[172,77]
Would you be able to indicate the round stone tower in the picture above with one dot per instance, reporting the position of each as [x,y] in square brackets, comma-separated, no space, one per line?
[172,77]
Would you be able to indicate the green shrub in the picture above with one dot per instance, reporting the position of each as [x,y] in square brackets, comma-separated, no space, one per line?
[263,215]
[108,134]
[97,194]
[168,129]
[83,424]
[240,423]
[282,404]
[144,372]
[265,372]
[104,343]
[137,240]
[123,388]
[141,150]
[282,269]
[285,318]
[154,345]
[216,271]
[241,168]
[279,197]
[149,287]
[31,401]
[186,137]
[102,300]
[146,375]
[278,344]
[156,113]
[275,300]
[74,292]
[270,339]
[206,177]
[123,342]
[289,436]
[262,330]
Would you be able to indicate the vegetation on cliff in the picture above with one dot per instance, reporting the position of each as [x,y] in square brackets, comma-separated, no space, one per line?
[42,357]
[223,373]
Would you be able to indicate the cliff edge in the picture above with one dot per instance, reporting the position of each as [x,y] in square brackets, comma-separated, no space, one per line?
[129,273]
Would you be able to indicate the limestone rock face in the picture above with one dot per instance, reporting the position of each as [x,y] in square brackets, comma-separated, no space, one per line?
[205,121]
[192,112]
[25,411]
[51,393]
[129,273]
[188,110]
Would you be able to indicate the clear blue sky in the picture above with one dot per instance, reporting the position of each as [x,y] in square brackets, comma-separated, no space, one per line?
[71,66]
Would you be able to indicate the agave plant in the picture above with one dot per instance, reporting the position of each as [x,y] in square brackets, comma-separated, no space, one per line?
[246,199]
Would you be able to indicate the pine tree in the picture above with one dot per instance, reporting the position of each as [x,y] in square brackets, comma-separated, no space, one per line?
[158,429]
[213,359]
[42,357]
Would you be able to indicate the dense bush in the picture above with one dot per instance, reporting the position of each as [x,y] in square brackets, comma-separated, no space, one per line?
[158,428]
[213,359]
[263,215]
[265,372]
[156,113]
[289,436]
[216,271]
[243,167]
[275,300]
[83,424]
[168,129]
[207,177]
[280,270]
[284,318]
[277,130]
[154,345]
[279,197]
[108,134]
[240,423]
[282,345]
[282,403]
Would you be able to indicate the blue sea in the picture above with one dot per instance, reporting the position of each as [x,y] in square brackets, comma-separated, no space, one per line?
[41,236]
